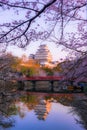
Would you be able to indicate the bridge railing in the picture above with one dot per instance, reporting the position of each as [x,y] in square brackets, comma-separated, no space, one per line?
[41,78]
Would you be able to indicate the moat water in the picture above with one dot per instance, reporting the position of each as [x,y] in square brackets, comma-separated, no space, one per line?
[38,111]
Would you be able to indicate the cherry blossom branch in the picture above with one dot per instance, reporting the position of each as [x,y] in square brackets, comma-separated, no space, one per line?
[28,21]
[17,6]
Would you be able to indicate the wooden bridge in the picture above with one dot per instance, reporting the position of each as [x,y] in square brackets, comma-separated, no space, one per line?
[50,79]
[35,79]
[40,78]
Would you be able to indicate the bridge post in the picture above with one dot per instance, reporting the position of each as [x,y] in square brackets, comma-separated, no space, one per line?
[20,85]
[52,82]
[34,85]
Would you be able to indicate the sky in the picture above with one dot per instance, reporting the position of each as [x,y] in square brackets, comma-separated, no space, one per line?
[57,52]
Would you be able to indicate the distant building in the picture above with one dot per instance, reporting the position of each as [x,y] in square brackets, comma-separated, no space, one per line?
[43,56]
[32,56]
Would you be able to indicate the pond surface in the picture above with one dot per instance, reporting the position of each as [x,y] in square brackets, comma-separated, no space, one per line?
[30,111]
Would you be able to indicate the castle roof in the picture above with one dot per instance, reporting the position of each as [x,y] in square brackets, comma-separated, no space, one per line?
[43,53]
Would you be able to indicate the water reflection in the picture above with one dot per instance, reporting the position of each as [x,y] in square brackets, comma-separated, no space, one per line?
[43,109]
[38,111]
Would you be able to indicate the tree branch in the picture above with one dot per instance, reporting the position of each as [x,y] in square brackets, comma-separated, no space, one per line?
[29,21]
[16,6]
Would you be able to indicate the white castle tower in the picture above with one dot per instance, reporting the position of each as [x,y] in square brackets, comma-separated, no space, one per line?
[43,55]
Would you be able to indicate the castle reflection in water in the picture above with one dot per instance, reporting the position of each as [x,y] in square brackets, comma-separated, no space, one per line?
[31,108]
[43,109]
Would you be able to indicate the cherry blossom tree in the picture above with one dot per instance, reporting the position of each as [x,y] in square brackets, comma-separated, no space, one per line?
[63,22]
[75,70]
[32,20]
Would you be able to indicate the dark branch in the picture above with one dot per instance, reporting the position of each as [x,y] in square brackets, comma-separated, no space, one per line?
[28,21]
[16,6]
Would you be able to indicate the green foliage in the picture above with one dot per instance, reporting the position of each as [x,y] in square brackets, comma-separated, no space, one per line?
[28,71]
[58,68]
[31,72]
[49,71]
[16,63]
[9,61]
[29,99]
[12,110]
[23,69]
